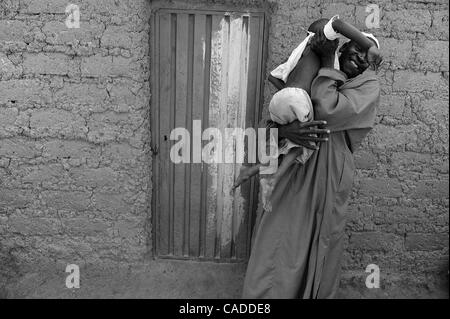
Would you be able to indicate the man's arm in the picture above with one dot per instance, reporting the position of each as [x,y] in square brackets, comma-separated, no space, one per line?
[344,109]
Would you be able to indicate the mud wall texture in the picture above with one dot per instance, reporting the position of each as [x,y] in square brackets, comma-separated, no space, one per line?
[75,159]
[74,132]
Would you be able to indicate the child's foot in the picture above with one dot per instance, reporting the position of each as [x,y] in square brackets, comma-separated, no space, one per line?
[245,173]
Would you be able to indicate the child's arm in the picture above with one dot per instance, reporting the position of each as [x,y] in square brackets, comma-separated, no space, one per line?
[279,84]
[352,33]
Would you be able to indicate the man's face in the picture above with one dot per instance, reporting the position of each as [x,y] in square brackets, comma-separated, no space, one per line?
[353,60]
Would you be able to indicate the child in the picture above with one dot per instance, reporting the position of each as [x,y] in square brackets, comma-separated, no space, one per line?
[293,101]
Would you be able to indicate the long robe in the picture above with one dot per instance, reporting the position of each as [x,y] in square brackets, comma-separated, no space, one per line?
[297,247]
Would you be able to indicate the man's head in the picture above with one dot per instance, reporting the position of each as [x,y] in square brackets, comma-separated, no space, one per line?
[353,60]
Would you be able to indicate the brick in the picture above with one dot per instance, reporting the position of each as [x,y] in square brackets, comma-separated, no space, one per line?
[33,226]
[418,82]
[50,175]
[54,63]
[116,36]
[99,66]
[70,200]
[94,177]
[411,20]
[440,25]
[432,111]
[112,203]
[48,6]
[108,126]
[7,118]
[383,187]
[8,69]
[431,189]
[120,154]
[84,227]
[125,95]
[122,96]
[15,198]
[58,34]
[24,93]
[397,53]
[19,148]
[426,242]
[365,160]
[55,122]
[70,150]
[88,95]
[12,30]
[432,56]
[385,137]
[129,228]
[410,160]
[373,241]
[392,105]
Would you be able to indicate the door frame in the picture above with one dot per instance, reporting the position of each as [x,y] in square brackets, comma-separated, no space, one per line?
[154,114]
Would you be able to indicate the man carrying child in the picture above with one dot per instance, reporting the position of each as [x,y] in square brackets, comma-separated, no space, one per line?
[298,245]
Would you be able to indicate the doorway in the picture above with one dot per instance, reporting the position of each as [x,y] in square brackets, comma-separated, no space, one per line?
[207,66]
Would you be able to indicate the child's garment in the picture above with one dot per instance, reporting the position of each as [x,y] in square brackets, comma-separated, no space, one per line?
[286,106]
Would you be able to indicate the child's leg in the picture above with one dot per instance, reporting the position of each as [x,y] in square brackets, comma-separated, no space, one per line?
[245,173]
[305,71]
[287,161]
[268,184]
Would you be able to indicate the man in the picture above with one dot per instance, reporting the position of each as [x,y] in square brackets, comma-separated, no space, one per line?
[298,246]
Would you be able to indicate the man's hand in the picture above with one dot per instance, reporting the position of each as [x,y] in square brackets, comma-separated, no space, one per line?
[304,133]
[374,57]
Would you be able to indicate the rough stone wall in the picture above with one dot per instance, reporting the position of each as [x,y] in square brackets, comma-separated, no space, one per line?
[74,132]
[398,215]
[75,164]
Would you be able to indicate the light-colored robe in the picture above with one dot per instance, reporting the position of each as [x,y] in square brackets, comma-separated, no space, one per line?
[297,248]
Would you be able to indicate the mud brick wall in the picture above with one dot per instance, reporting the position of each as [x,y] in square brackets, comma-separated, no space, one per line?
[74,131]
[75,161]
